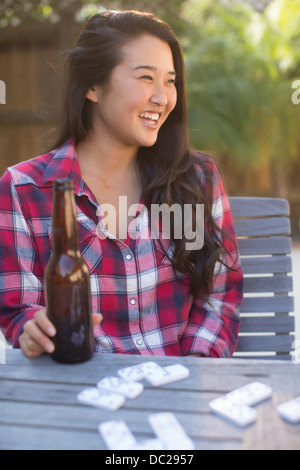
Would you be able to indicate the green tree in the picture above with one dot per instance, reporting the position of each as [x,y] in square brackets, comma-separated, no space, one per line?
[240,66]
[15,12]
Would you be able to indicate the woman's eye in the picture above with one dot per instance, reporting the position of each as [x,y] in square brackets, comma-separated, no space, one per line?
[171,81]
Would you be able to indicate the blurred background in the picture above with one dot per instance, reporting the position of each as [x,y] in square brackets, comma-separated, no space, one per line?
[243,84]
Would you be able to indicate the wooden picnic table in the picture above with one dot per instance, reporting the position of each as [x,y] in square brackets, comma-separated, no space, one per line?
[39,407]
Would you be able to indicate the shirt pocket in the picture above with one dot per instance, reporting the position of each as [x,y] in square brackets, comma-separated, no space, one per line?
[164,262]
[89,243]
[164,253]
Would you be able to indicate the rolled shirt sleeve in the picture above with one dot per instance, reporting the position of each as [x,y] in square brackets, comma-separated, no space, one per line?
[21,292]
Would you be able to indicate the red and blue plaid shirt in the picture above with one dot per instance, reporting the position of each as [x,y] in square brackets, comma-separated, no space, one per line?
[146,308]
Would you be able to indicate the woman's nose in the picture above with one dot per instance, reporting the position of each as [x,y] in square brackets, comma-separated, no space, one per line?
[159,96]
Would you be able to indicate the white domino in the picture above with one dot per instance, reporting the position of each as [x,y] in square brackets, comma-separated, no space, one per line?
[154,373]
[101,399]
[157,375]
[119,385]
[240,415]
[170,432]
[117,435]
[251,394]
[290,410]
[132,373]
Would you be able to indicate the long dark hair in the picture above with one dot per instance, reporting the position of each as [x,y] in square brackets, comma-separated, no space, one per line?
[168,168]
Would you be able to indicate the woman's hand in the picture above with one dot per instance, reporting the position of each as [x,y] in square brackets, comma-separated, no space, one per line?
[37,334]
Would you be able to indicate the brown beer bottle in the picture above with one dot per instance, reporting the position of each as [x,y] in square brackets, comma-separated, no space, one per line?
[67,282]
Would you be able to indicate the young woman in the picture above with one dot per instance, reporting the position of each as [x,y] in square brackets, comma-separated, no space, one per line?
[124,134]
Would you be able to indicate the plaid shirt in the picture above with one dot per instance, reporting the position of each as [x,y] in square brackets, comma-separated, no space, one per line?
[146,309]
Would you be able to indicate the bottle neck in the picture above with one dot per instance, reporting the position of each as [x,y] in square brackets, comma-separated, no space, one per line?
[64,221]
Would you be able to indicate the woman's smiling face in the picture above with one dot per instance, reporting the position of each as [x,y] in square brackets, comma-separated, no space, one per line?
[140,95]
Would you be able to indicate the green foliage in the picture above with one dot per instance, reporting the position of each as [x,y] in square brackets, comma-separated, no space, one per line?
[240,66]
[15,12]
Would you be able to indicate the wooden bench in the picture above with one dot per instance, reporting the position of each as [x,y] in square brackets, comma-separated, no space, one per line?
[263,230]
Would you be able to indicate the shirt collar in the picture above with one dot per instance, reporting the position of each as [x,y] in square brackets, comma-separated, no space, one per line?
[64,164]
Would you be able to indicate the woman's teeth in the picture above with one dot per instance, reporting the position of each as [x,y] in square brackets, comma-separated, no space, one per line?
[152,116]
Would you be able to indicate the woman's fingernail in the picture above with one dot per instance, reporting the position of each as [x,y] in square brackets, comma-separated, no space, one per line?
[49,347]
[51,331]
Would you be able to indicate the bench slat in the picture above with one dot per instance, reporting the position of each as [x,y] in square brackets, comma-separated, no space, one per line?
[259,206]
[265,246]
[278,304]
[274,324]
[277,343]
[267,265]
[262,227]
[279,284]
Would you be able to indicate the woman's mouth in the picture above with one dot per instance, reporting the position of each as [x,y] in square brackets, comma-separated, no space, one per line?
[150,119]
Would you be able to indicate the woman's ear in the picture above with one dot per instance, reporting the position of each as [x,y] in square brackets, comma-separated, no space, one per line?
[92,94]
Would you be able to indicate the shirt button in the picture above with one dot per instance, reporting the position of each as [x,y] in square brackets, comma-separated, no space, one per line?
[128,257]
[139,342]
[132,301]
